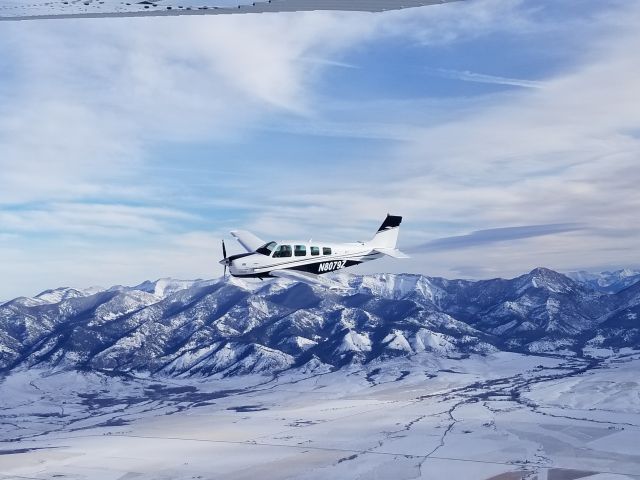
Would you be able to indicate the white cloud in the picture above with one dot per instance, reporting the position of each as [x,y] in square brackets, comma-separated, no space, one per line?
[83,113]
[462,21]
[89,100]
[87,219]
[552,154]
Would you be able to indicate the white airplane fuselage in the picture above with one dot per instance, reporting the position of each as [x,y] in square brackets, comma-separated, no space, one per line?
[306,260]
[329,258]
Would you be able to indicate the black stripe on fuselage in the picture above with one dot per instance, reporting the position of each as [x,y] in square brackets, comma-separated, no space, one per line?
[344,256]
[317,268]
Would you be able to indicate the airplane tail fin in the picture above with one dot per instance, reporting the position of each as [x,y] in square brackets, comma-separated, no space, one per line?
[387,235]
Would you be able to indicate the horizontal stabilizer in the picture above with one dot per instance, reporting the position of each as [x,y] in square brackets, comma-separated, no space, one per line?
[309,278]
[248,240]
[392,252]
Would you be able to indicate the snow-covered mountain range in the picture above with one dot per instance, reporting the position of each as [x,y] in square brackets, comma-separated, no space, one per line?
[607,282]
[230,327]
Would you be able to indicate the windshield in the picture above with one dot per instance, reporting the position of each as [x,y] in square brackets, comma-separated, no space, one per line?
[267,248]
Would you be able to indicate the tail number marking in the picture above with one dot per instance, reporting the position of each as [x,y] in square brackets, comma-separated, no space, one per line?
[329,266]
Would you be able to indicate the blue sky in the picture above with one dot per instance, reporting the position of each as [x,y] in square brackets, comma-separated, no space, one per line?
[504,131]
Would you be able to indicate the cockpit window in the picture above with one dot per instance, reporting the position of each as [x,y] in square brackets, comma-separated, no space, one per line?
[267,248]
[283,251]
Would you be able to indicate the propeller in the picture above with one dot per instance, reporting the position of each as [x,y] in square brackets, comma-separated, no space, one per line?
[224,255]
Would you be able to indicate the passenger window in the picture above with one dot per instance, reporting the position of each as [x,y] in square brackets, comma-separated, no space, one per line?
[282,251]
[300,250]
[326,250]
[315,250]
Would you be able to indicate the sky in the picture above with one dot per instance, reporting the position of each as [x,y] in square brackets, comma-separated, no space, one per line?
[505,132]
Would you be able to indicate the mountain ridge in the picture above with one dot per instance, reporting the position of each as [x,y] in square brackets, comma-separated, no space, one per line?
[230,327]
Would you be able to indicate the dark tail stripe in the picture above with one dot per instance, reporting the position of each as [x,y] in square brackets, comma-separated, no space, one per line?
[390,222]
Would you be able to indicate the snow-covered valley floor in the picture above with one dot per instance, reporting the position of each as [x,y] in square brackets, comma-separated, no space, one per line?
[501,417]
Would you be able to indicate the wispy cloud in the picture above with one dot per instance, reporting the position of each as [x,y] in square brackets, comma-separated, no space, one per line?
[86,219]
[493,235]
[328,62]
[468,76]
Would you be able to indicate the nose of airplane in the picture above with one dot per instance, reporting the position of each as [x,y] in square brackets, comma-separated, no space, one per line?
[238,264]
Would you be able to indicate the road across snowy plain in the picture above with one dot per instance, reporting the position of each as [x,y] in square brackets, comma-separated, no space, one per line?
[500,417]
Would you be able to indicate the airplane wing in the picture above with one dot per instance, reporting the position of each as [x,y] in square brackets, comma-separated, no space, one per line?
[392,252]
[309,278]
[248,240]
[51,9]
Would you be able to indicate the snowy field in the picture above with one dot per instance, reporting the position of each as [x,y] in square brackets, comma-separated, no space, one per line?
[503,417]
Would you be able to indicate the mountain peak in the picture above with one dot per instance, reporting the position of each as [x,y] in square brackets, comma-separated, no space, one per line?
[548,279]
[544,271]
[57,295]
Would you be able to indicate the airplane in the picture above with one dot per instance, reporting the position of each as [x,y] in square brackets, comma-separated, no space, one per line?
[306,261]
